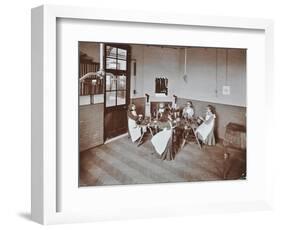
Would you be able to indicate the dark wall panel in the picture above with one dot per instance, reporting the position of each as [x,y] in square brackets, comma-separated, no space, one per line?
[140,104]
[91,126]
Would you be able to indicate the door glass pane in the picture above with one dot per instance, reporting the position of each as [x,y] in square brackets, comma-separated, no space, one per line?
[122,54]
[121,82]
[110,82]
[111,51]
[110,99]
[121,97]
[110,63]
[121,65]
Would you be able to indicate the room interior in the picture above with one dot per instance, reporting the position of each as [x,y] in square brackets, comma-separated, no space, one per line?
[113,76]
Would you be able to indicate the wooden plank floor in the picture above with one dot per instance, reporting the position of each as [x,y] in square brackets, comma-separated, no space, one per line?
[122,162]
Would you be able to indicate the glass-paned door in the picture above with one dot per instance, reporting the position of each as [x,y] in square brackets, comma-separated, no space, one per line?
[117,88]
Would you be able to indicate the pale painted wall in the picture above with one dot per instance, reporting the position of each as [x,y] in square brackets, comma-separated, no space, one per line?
[137,82]
[203,82]
[155,62]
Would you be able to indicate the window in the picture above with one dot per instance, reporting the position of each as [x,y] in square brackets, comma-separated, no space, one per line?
[116,76]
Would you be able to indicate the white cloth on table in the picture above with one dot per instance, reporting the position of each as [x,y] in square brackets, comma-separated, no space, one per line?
[160,140]
[134,129]
[206,127]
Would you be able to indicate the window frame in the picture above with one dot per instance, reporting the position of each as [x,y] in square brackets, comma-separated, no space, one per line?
[117,72]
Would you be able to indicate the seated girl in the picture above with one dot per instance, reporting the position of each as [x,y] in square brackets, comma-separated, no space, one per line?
[165,121]
[162,141]
[132,112]
[134,130]
[161,109]
[174,111]
[188,111]
[205,131]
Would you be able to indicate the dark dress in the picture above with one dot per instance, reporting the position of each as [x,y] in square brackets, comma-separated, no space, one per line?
[168,154]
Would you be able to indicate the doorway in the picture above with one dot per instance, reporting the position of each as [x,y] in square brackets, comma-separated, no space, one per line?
[117,89]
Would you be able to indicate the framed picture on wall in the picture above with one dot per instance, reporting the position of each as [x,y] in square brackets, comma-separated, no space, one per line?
[121,111]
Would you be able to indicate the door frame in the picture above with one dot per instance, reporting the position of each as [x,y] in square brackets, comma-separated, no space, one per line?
[116,72]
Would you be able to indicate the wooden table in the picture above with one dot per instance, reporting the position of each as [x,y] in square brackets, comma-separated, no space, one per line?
[185,126]
[181,128]
[180,131]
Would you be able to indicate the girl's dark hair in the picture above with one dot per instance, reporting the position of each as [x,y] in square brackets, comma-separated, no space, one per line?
[212,108]
[190,102]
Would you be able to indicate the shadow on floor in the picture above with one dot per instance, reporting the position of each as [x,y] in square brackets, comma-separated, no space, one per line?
[25,215]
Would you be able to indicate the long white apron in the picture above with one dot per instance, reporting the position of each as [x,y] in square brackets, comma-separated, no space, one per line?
[160,140]
[206,127]
[135,131]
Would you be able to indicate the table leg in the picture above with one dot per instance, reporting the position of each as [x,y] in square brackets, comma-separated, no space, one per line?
[139,142]
[150,131]
[197,140]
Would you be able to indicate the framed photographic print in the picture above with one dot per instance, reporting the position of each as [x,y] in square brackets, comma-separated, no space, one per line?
[140,114]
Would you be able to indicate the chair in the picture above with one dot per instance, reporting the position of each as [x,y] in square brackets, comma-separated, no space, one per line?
[193,128]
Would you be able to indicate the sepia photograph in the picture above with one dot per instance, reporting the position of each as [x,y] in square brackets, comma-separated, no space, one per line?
[152,113]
